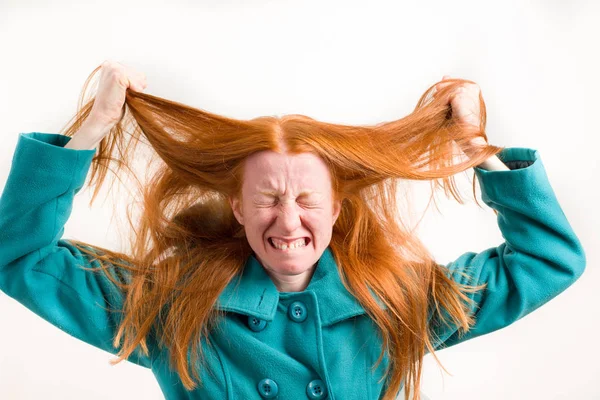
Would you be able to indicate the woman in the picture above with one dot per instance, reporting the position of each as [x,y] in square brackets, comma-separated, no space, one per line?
[269,259]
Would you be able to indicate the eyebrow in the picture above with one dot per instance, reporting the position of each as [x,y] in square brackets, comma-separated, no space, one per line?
[274,193]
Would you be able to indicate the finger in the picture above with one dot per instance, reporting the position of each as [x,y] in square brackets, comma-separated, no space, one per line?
[440,85]
[445,77]
[132,72]
[139,86]
[140,79]
[137,79]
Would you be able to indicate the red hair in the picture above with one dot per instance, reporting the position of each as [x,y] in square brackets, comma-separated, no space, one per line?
[188,245]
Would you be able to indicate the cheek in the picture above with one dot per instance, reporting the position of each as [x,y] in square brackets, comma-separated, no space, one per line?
[258,221]
[317,222]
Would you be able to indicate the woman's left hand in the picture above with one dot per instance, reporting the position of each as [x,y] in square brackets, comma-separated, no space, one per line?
[465,105]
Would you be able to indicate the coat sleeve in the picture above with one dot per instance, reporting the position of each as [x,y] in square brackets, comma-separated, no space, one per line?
[38,268]
[540,257]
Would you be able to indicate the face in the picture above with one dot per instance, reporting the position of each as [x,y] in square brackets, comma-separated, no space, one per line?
[288,197]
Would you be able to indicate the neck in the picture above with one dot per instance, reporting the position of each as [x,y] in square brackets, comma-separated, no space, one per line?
[291,283]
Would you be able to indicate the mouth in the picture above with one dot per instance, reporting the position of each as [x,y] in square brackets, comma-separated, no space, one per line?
[288,249]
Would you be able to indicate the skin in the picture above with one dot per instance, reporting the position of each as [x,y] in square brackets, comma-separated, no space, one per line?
[288,213]
[465,106]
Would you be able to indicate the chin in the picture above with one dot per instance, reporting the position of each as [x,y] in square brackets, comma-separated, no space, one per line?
[289,269]
[288,264]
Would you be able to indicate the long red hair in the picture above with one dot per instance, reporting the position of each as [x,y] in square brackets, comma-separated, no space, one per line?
[187,244]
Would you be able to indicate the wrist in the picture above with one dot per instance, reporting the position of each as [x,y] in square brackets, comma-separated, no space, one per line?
[90,133]
[95,127]
[493,164]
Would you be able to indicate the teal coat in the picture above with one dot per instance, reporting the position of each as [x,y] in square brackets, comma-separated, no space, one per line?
[314,344]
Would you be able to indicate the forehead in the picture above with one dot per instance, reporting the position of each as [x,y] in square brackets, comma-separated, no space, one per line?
[272,171]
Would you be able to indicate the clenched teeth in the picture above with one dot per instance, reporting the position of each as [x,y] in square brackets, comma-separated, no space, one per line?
[284,245]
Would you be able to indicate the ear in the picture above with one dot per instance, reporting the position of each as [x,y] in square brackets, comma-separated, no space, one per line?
[234,202]
[337,208]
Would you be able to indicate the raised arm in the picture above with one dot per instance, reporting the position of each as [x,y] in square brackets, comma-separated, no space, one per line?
[38,268]
[540,257]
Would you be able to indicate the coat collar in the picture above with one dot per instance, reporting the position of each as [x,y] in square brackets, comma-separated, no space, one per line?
[254,293]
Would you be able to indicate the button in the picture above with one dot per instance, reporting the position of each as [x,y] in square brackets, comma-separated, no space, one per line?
[256,324]
[316,389]
[297,311]
[267,388]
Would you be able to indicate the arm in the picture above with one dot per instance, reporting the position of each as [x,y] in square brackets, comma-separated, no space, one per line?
[38,268]
[494,164]
[540,257]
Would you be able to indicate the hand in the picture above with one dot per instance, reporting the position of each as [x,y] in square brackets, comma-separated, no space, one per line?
[465,106]
[115,79]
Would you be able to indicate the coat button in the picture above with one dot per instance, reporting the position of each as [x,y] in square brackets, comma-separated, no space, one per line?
[256,324]
[316,390]
[267,388]
[297,311]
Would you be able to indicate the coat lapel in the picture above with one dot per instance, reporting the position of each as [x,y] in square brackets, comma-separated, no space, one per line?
[254,293]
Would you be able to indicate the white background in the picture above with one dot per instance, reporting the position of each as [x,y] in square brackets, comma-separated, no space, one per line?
[339,61]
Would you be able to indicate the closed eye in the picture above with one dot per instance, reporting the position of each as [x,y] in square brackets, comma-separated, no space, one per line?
[275,202]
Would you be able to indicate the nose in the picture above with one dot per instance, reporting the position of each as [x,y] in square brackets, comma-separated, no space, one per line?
[288,216]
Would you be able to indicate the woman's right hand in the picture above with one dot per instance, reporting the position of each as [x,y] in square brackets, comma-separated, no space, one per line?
[115,79]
